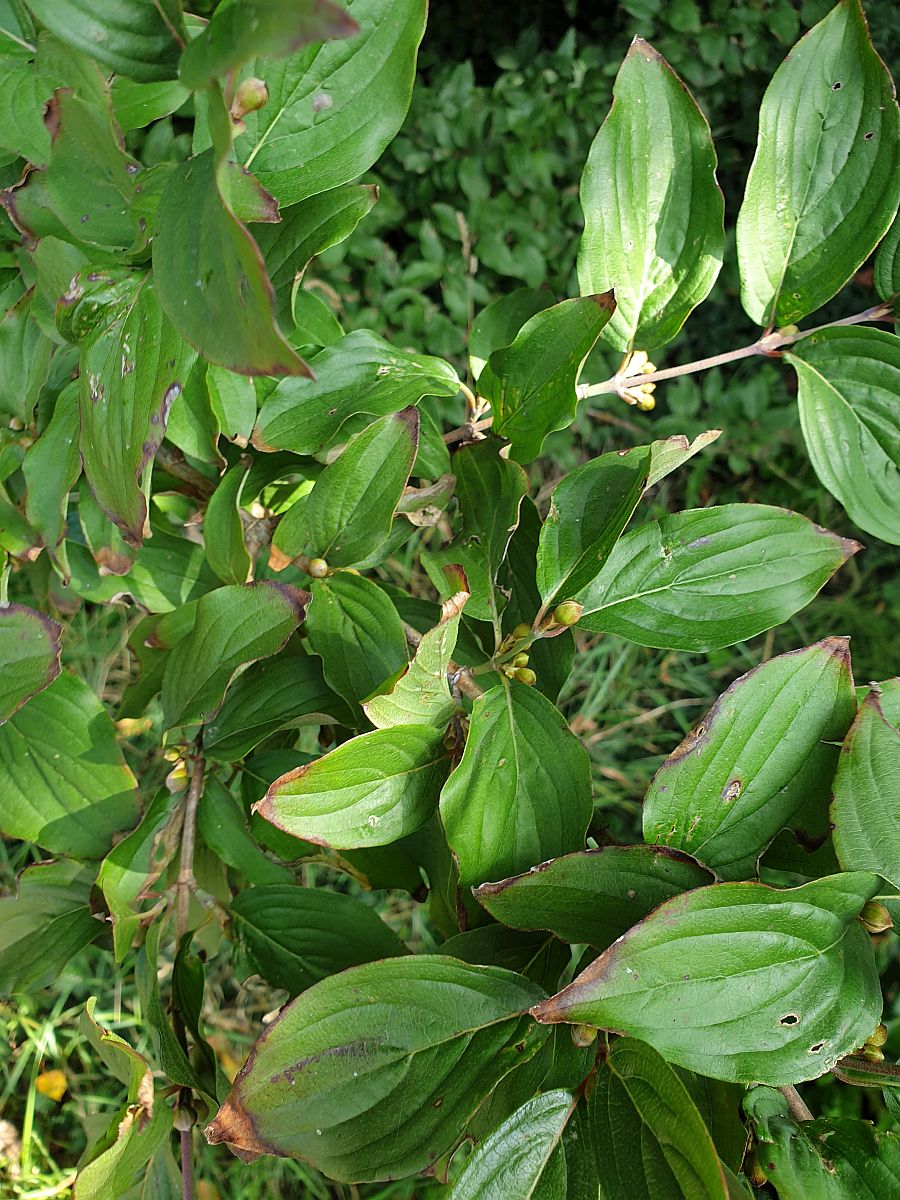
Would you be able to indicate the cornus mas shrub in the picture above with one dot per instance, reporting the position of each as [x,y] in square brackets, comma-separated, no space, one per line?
[192,434]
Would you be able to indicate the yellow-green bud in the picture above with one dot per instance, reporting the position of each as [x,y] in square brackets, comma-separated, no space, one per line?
[878,1037]
[872,1053]
[521,659]
[568,613]
[875,917]
[520,631]
[252,94]
[583,1035]
[318,568]
[526,675]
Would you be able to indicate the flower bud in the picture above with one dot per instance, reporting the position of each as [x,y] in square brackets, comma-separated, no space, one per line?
[568,613]
[520,631]
[521,660]
[583,1035]
[872,1053]
[318,568]
[878,1037]
[252,94]
[526,675]
[875,917]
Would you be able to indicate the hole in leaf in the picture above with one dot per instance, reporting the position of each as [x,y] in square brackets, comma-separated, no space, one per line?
[816,1048]
[789,1019]
[836,87]
[867,137]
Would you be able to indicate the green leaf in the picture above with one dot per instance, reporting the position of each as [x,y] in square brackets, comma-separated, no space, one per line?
[669,454]
[295,936]
[87,144]
[233,401]
[130,374]
[592,896]
[673,1154]
[51,467]
[121,1060]
[223,532]
[550,658]
[531,383]
[589,509]
[849,381]
[168,571]
[886,274]
[653,212]
[45,926]
[705,578]
[22,98]
[133,865]
[130,37]
[348,513]
[497,325]
[234,625]
[370,791]
[29,655]
[422,695]
[356,631]
[267,28]
[720,980]
[380,1089]
[315,322]
[211,278]
[359,374]
[115,1171]
[223,827]
[305,230]
[840,1159]
[171,1056]
[824,186]
[137,105]
[521,1157]
[277,693]
[66,783]
[521,793]
[866,804]
[368,81]
[763,751]
[489,489]
[24,360]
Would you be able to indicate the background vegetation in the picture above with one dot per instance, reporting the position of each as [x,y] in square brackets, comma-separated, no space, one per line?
[478,197]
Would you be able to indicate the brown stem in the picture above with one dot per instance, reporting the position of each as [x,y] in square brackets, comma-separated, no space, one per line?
[187,1165]
[185,883]
[173,462]
[467,431]
[769,343]
[796,1104]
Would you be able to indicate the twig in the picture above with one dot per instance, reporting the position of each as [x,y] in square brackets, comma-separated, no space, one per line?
[185,883]
[467,431]
[796,1104]
[173,462]
[187,1165]
[768,344]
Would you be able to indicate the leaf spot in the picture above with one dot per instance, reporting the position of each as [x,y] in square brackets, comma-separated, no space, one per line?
[731,791]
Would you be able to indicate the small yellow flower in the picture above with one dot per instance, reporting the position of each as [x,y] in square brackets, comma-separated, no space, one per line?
[52,1084]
